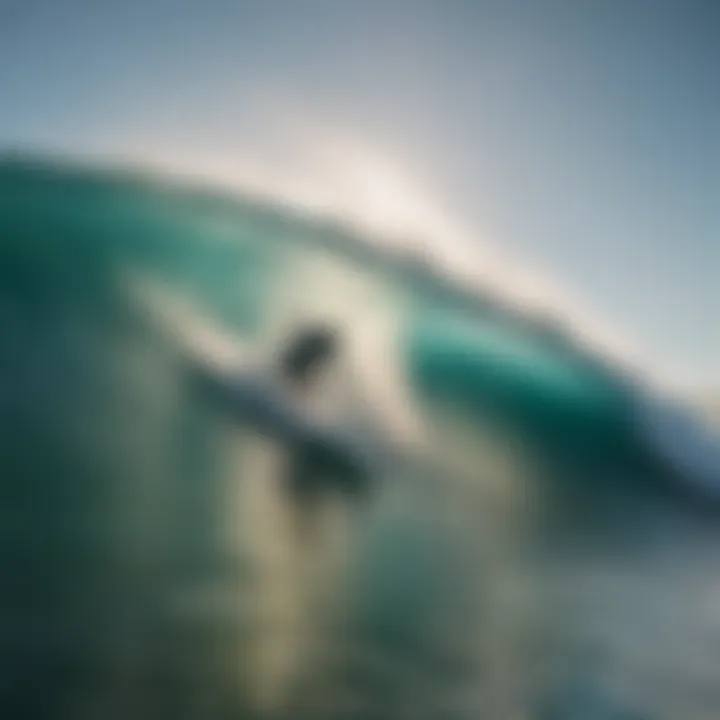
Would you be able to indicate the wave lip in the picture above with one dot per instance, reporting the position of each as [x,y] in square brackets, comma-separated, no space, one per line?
[680,439]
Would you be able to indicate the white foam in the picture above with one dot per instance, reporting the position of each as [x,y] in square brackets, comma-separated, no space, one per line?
[342,175]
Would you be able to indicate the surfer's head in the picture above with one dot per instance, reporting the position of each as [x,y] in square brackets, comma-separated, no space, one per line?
[307,351]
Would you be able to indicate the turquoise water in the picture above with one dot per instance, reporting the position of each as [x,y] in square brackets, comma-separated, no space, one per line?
[515,568]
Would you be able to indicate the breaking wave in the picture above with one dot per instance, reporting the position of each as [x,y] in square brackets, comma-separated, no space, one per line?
[170,569]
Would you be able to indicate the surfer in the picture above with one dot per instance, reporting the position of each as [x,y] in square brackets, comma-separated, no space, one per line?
[320,463]
[278,396]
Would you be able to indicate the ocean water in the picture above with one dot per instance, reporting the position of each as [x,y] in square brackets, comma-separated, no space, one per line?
[518,554]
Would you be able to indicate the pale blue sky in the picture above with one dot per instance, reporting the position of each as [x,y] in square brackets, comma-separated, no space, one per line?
[582,136]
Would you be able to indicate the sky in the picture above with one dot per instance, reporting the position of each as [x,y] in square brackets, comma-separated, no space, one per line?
[575,144]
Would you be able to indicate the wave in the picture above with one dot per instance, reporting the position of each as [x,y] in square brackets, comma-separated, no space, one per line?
[162,529]
[261,267]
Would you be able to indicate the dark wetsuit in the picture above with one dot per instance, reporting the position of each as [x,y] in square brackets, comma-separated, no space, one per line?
[322,458]
[323,462]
